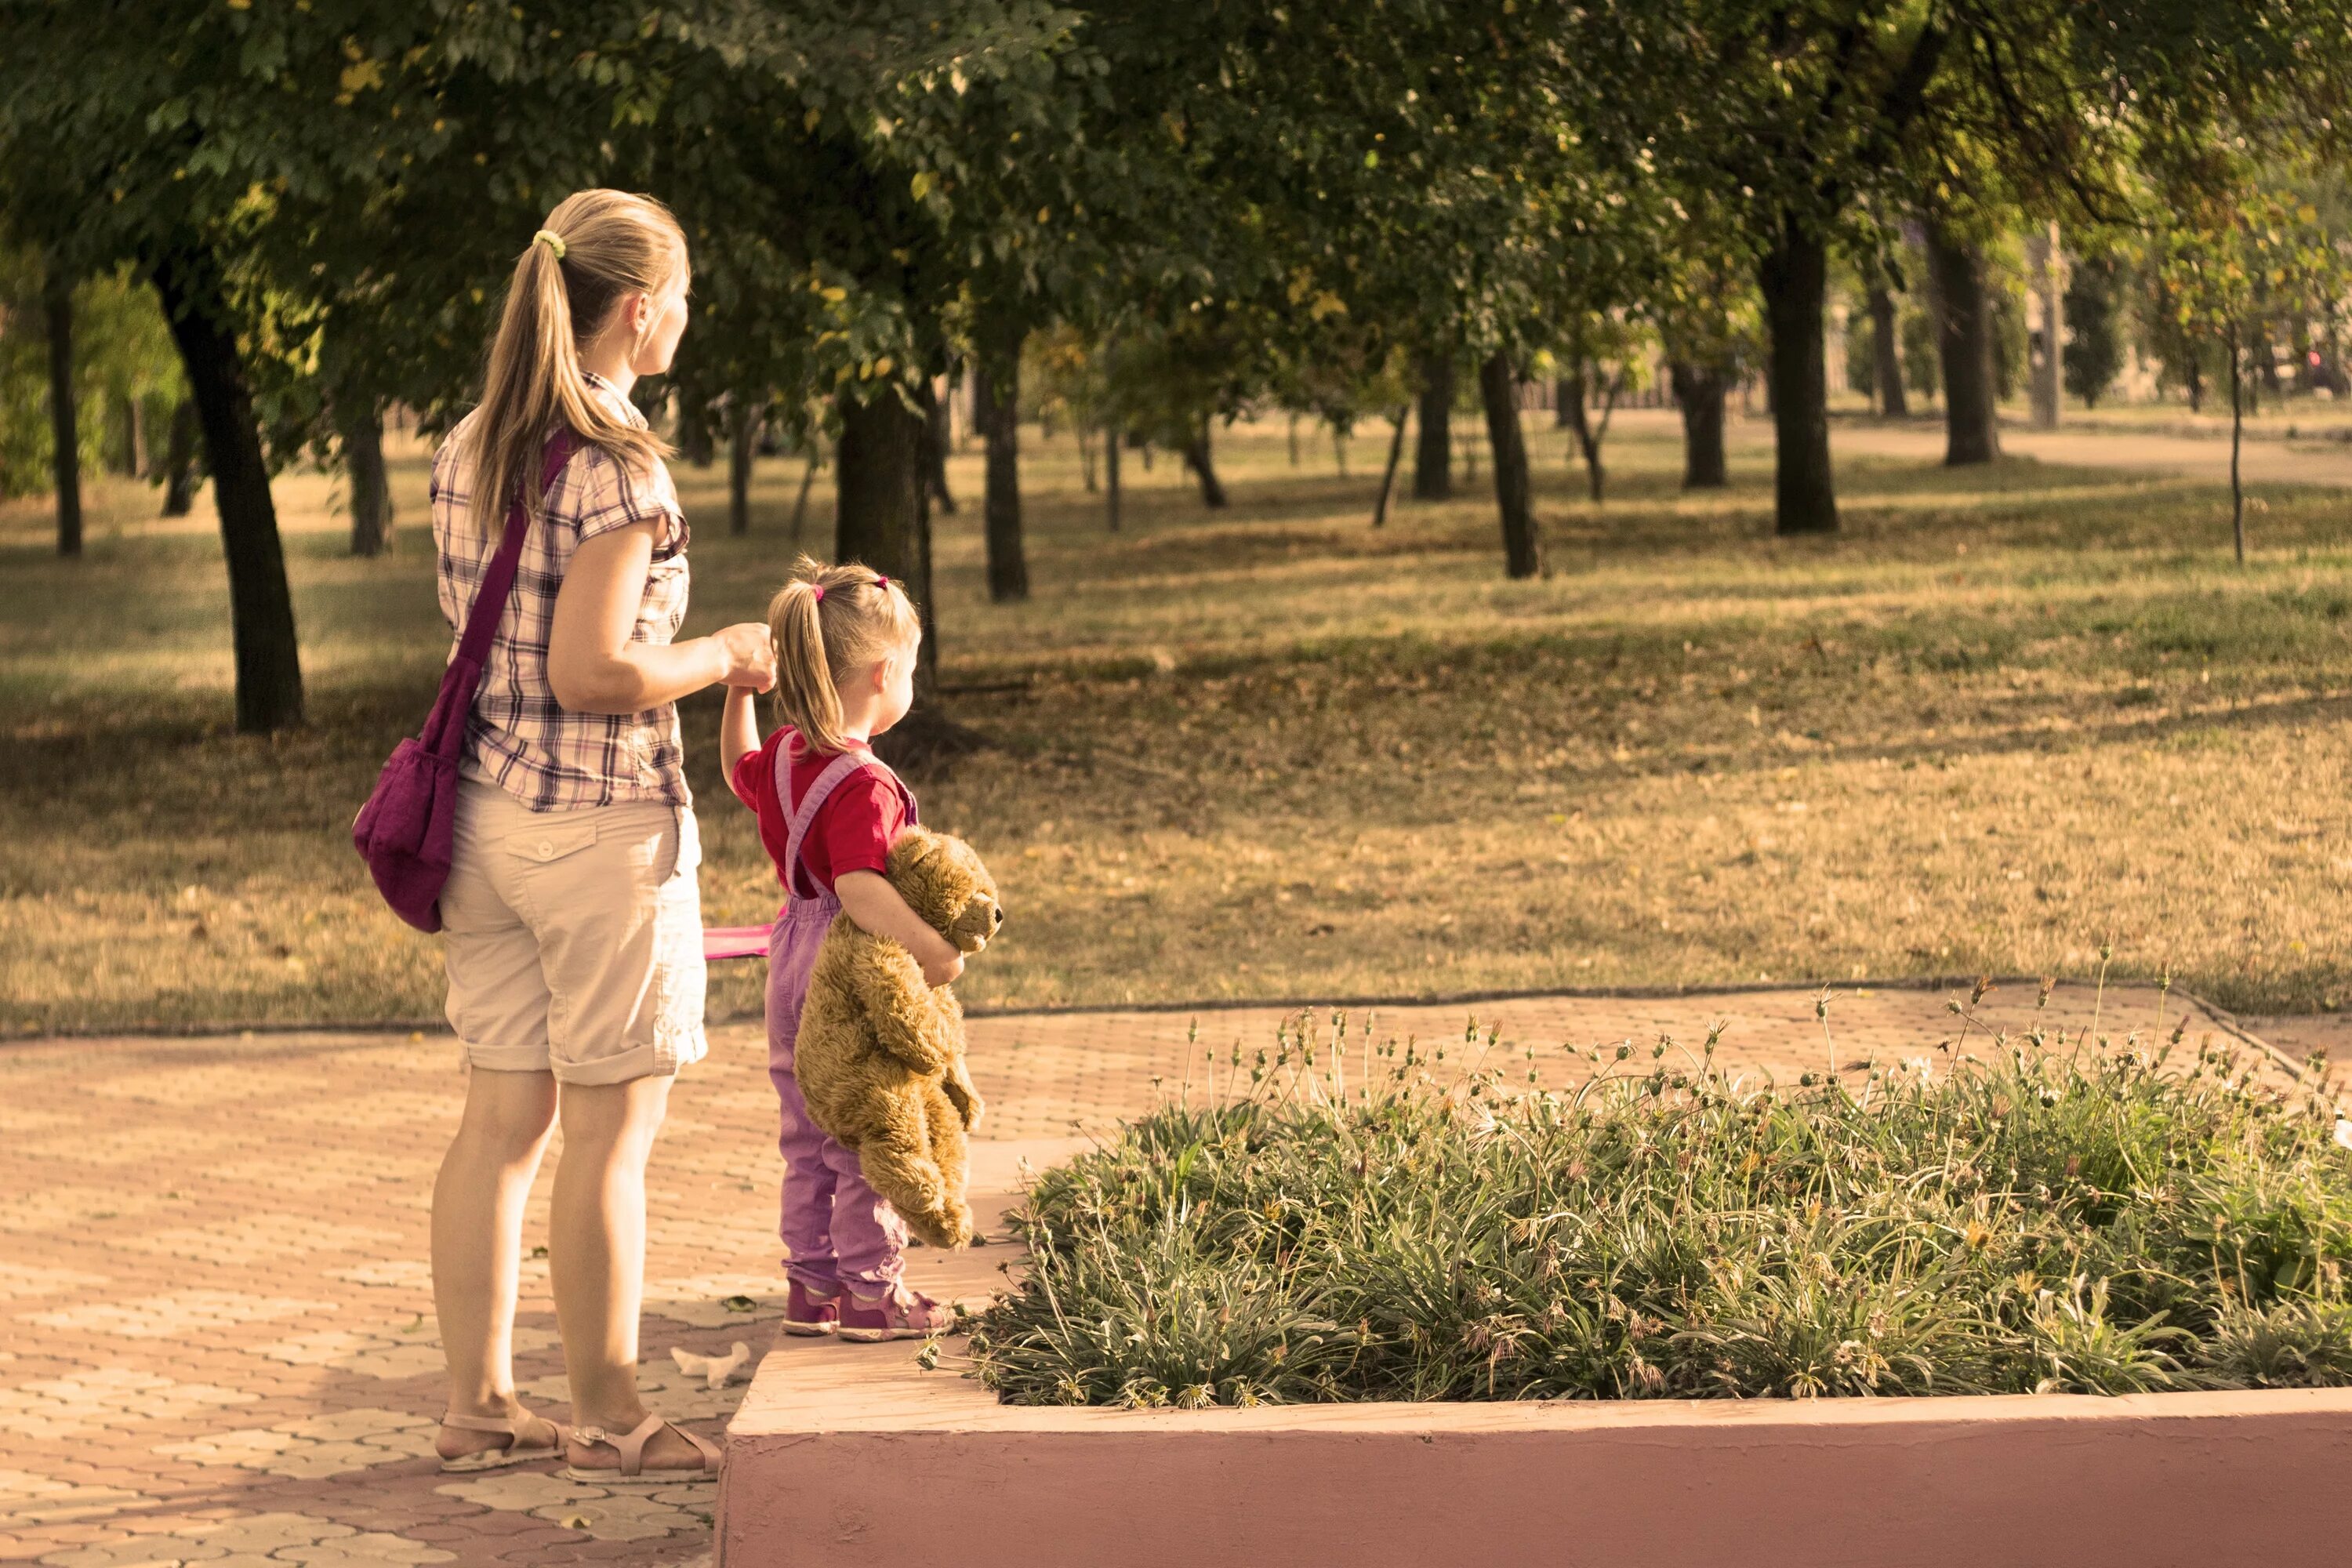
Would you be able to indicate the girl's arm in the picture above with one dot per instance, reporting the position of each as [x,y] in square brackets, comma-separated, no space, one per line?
[867,898]
[739,728]
[593,665]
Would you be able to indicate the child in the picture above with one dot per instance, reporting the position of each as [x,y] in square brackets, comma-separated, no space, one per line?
[846,639]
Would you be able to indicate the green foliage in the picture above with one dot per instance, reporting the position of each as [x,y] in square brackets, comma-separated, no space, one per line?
[2095,344]
[1347,1218]
[121,353]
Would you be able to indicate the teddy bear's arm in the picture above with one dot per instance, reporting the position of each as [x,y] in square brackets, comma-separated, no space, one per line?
[962,1095]
[906,1022]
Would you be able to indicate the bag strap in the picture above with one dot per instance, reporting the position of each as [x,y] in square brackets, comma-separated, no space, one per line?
[444,733]
[497,583]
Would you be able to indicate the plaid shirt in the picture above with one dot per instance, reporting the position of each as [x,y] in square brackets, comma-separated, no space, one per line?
[521,739]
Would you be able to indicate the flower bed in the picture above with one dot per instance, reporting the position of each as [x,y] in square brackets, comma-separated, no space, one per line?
[1337,1221]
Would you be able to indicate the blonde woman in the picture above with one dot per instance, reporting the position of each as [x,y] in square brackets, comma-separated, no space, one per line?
[572,918]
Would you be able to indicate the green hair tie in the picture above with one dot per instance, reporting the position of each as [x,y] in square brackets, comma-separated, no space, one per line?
[549,238]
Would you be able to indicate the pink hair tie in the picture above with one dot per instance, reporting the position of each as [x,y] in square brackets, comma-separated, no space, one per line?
[880,580]
[818,588]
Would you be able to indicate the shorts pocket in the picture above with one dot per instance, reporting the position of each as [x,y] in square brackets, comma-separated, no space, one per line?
[544,842]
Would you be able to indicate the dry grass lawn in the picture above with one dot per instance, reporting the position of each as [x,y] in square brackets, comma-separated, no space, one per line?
[2008,717]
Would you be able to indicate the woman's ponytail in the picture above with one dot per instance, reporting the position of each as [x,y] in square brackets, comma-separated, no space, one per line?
[597,246]
[829,621]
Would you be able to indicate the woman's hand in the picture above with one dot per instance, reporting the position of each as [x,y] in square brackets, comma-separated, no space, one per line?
[751,655]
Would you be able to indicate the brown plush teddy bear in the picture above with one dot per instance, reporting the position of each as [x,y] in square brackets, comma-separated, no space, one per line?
[880,1054]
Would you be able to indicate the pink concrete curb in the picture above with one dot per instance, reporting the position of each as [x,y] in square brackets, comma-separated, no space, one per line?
[824,1477]
[842,1456]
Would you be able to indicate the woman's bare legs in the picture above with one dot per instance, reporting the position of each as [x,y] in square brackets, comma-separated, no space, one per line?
[596,1255]
[478,1204]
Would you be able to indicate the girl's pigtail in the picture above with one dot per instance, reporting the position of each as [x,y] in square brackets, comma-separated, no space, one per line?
[805,695]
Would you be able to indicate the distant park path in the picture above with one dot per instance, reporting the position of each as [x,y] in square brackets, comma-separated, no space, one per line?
[2266,460]
[219,1344]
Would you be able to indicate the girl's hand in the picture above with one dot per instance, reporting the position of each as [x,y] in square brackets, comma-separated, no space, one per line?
[938,971]
[751,655]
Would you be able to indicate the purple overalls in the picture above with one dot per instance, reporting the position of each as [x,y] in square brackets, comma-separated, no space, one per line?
[836,1230]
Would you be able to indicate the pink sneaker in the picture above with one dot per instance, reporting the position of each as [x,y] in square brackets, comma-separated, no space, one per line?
[903,1314]
[809,1315]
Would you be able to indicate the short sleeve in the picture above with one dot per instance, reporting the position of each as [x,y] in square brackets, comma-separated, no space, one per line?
[600,496]
[755,777]
[858,824]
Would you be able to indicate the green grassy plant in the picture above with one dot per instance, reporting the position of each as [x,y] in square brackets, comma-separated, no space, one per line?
[1346,1218]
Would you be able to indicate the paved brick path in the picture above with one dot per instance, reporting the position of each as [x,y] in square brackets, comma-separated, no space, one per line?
[216,1341]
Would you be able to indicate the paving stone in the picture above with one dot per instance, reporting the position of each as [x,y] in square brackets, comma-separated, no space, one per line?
[176,1316]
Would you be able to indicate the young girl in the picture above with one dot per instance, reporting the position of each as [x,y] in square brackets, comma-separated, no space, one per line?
[846,639]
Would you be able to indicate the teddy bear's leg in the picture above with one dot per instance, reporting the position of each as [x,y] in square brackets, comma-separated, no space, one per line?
[897,1161]
[951,1149]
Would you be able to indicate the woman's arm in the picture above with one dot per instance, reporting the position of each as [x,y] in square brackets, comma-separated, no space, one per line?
[867,898]
[593,665]
[739,728]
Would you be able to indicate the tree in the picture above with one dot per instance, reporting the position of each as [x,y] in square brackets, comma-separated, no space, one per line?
[65,445]
[996,402]
[1432,453]
[1964,310]
[1605,356]
[2094,350]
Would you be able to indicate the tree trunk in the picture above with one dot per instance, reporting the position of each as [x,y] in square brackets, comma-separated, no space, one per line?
[1499,388]
[122,435]
[1388,474]
[1197,459]
[261,610]
[1112,445]
[1570,392]
[1432,458]
[1699,393]
[996,408]
[1795,278]
[362,429]
[880,517]
[2048,262]
[2236,439]
[1566,389]
[57,302]
[743,446]
[1971,420]
[808,482]
[939,435]
[1887,354]
[180,460]
[1087,435]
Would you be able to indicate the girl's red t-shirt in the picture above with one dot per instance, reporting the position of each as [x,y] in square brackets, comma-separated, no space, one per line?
[853,829]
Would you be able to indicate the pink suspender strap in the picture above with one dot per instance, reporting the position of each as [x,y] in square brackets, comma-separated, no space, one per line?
[804,815]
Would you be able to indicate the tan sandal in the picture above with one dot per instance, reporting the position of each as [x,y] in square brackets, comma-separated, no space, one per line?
[631,1447]
[515,1452]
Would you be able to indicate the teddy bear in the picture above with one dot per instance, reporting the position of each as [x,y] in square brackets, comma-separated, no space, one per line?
[880,1055]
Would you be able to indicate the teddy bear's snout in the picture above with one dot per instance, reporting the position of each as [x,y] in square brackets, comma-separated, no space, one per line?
[996,916]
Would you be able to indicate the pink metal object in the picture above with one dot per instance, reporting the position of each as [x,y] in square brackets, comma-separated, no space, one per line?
[734,942]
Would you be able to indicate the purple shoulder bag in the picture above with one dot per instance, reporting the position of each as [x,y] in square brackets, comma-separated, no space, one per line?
[408,831]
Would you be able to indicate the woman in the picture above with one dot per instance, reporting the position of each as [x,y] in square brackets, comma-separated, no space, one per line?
[573,923]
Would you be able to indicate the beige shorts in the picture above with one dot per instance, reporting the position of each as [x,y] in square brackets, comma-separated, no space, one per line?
[573,939]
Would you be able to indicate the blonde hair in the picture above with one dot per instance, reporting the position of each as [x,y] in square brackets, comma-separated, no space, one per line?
[828,620]
[596,246]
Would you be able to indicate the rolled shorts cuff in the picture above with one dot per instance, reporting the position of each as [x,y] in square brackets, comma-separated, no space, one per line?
[506,1058]
[659,1059]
